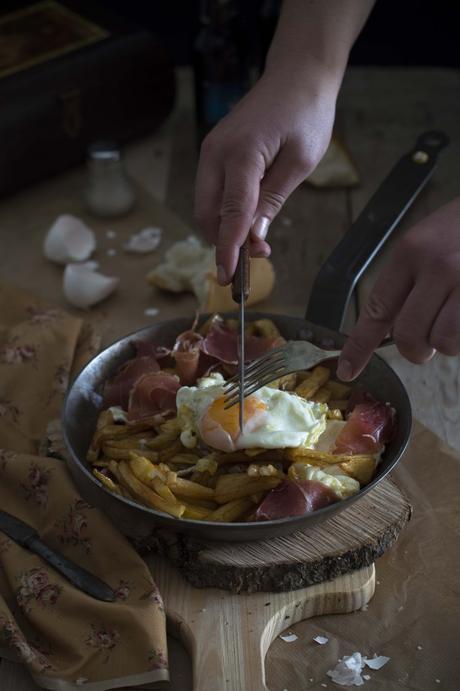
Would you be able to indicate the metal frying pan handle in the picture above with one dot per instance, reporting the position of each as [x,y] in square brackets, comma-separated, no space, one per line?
[340,273]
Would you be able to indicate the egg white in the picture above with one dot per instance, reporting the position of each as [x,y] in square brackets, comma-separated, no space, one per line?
[288,420]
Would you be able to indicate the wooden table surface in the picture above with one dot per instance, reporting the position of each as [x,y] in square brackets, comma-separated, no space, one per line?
[380,114]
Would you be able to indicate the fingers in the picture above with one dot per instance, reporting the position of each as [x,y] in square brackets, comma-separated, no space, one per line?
[259,248]
[413,325]
[445,333]
[388,296]
[239,202]
[286,173]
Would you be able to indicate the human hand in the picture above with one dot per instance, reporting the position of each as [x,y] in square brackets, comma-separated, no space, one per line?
[257,155]
[416,296]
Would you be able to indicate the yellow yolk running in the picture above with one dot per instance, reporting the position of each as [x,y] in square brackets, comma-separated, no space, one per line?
[229,420]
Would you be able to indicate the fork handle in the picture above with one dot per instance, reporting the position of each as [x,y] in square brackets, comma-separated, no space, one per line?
[337,278]
[241,281]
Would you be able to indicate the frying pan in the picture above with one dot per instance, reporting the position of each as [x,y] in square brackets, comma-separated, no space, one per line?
[328,302]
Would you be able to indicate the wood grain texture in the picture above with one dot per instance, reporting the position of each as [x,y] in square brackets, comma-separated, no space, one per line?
[350,540]
[228,635]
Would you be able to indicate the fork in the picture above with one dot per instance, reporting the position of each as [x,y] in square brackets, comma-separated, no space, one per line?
[290,357]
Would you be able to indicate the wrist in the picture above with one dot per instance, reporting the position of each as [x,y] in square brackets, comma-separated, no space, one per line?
[306,73]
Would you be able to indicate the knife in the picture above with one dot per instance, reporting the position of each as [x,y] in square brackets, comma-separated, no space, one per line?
[240,293]
[26,536]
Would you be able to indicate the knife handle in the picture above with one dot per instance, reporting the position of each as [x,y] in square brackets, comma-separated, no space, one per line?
[78,576]
[241,281]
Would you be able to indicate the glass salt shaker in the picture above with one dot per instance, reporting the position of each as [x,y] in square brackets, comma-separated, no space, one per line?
[109,191]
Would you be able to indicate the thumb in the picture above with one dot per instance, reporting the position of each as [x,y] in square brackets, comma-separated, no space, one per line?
[285,174]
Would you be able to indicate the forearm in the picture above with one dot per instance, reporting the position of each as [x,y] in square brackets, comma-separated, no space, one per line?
[316,35]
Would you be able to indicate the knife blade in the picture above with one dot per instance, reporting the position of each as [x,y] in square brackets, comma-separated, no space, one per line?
[27,537]
[240,293]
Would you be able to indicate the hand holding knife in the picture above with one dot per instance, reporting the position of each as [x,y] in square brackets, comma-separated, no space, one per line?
[240,293]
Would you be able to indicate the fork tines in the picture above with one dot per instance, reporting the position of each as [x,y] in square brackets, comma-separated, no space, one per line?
[259,373]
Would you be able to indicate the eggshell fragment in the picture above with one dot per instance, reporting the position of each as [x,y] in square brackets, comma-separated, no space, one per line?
[289,637]
[69,240]
[84,286]
[147,240]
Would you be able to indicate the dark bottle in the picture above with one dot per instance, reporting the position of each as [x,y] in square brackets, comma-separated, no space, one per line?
[221,62]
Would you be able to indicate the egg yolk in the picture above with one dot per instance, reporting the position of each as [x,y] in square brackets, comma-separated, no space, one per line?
[229,420]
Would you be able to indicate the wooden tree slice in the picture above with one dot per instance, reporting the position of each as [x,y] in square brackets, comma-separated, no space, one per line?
[350,540]
[228,635]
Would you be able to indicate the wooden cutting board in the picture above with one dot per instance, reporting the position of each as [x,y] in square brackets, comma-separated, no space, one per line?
[327,569]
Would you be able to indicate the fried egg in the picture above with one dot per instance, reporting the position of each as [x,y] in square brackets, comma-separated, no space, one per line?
[273,419]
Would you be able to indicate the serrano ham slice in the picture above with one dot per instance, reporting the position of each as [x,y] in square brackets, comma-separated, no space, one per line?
[153,396]
[147,348]
[369,427]
[117,390]
[294,499]
[221,343]
[186,352]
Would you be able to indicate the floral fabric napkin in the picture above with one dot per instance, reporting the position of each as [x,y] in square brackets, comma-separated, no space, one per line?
[67,639]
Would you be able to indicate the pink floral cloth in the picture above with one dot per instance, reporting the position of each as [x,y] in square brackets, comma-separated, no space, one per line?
[67,639]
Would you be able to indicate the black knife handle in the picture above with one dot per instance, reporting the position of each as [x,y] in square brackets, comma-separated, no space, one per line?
[78,576]
[338,276]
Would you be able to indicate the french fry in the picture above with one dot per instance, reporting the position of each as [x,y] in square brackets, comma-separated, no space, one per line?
[286,383]
[265,328]
[124,453]
[338,389]
[231,511]
[195,512]
[169,432]
[334,414]
[302,455]
[137,440]
[239,485]
[361,468]
[314,381]
[173,449]
[106,430]
[107,482]
[187,488]
[203,478]
[202,503]
[322,395]
[152,476]
[184,458]
[146,495]
[261,470]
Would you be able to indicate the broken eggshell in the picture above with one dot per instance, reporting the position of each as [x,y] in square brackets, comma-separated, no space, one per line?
[147,240]
[69,240]
[84,286]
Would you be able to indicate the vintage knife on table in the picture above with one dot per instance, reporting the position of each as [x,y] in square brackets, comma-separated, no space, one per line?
[26,536]
[240,293]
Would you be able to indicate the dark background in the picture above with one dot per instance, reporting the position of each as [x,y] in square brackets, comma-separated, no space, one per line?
[398,32]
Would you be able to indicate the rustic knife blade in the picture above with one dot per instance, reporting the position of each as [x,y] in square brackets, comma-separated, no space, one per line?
[240,293]
[27,537]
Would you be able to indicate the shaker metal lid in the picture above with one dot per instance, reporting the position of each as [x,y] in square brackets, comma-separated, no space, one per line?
[104,150]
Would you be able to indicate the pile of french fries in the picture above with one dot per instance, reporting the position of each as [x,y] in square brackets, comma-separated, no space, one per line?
[149,464]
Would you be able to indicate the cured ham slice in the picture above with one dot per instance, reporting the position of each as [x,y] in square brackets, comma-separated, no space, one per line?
[369,427]
[117,390]
[294,499]
[153,396]
[147,348]
[186,353]
[221,343]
